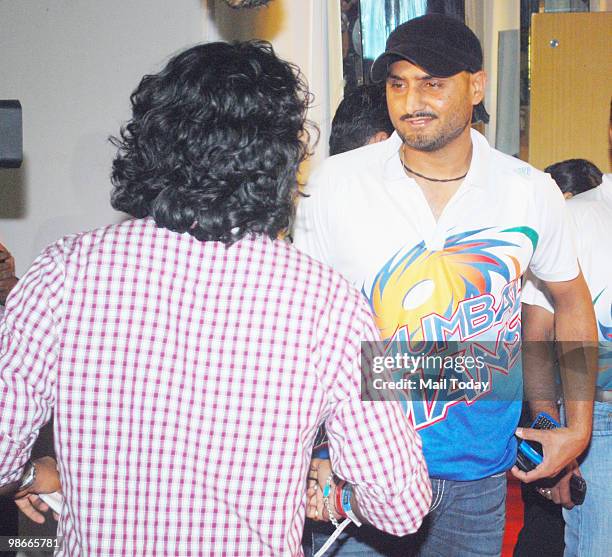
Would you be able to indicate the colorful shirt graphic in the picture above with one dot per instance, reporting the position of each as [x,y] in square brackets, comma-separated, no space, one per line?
[420,296]
[425,291]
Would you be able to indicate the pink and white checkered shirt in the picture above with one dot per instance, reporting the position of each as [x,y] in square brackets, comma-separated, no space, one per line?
[187,381]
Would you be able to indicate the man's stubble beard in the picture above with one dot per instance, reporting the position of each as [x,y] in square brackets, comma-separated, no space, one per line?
[441,139]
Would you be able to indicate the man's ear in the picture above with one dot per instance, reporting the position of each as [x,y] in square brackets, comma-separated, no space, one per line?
[478,82]
[378,137]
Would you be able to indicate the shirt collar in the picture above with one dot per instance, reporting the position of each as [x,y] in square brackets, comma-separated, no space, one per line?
[603,192]
[476,176]
[606,186]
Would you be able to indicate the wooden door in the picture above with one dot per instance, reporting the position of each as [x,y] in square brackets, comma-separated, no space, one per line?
[571,87]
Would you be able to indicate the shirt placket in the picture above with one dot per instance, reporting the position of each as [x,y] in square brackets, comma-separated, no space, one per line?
[456,210]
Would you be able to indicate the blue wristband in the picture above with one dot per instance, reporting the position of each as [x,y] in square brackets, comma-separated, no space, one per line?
[347,493]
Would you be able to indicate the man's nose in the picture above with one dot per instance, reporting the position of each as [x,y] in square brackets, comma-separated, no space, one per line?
[413,101]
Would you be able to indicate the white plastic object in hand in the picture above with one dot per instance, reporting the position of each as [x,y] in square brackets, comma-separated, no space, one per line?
[332,538]
[55,500]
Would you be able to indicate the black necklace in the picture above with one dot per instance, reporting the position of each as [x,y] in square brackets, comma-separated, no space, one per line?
[406,167]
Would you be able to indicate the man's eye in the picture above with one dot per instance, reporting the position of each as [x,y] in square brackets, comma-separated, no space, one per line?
[434,84]
[396,84]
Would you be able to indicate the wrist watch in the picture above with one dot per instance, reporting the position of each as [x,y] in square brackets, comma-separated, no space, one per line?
[28,477]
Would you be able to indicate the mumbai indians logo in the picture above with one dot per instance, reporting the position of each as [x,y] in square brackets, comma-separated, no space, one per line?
[421,299]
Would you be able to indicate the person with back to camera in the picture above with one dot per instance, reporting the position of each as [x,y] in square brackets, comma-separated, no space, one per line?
[189,355]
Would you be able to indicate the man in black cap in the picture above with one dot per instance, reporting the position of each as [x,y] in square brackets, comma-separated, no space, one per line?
[437,228]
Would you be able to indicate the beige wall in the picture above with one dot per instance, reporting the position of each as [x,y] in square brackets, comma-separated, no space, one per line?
[73,65]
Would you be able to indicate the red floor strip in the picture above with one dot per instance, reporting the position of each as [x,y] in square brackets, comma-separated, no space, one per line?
[514,516]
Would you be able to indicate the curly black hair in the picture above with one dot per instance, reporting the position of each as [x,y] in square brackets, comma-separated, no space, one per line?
[214,143]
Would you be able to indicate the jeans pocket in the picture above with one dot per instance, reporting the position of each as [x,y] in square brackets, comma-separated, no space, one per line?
[437,497]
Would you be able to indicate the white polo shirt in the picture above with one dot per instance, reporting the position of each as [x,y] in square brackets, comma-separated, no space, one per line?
[591,215]
[456,279]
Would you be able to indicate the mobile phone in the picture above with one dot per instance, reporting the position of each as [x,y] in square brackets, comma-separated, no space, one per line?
[530,455]
[578,488]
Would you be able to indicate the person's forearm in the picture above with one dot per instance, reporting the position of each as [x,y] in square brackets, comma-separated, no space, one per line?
[397,500]
[539,377]
[576,335]
[538,406]
[539,360]
[578,365]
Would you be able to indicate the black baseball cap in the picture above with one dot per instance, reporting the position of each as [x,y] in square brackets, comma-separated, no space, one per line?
[442,45]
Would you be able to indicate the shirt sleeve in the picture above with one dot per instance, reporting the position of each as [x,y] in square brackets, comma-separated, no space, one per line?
[29,348]
[374,446]
[554,258]
[535,293]
[311,231]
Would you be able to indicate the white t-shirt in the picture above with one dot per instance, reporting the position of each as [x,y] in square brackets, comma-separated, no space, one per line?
[458,278]
[591,215]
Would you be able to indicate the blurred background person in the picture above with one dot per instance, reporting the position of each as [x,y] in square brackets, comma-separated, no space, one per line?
[587,526]
[239,4]
[360,119]
[8,280]
[575,176]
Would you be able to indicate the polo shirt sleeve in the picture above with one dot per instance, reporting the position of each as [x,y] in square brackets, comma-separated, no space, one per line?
[554,258]
[312,228]
[535,293]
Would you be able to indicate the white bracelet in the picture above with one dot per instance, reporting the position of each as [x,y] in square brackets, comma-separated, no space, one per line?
[332,538]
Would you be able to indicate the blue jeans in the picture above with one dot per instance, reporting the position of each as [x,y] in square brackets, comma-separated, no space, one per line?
[466,520]
[588,526]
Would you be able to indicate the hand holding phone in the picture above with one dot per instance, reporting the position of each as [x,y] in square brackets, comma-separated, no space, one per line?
[530,454]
